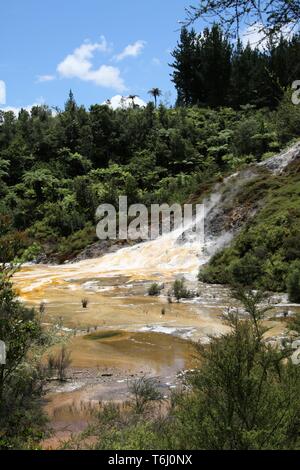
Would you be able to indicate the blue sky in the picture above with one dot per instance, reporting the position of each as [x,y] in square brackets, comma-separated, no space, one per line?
[121,47]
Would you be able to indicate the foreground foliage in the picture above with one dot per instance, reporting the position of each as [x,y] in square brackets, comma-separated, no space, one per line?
[22,377]
[245,396]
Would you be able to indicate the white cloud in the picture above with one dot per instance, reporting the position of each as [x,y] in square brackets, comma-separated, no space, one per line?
[124,102]
[16,110]
[45,78]
[2,92]
[79,65]
[107,76]
[256,37]
[132,50]
[39,101]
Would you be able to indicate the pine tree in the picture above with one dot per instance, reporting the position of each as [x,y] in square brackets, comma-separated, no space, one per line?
[202,67]
[187,76]
[215,65]
[70,123]
[242,78]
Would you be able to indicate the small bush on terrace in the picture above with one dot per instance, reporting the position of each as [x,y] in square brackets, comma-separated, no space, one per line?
[154,289]
[180,291]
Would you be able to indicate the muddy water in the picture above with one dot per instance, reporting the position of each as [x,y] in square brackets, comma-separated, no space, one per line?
[131,351]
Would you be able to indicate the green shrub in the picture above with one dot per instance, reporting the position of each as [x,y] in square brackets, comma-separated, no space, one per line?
[30,253]
[246,270]
[145,392]
[287,119]
[294,323]
[154,289]
[180,291]
[293,283]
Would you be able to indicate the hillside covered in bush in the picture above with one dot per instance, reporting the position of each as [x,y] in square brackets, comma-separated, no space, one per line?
[57,169]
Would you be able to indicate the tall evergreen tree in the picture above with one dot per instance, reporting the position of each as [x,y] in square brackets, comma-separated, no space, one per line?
[215,57]
[186,75]
[242,78]
[70,123]
[202,67]
[209,71]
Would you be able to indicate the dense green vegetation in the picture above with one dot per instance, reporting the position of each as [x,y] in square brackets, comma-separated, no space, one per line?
[22,377]
[293,282]
[56,170]
[244,396]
